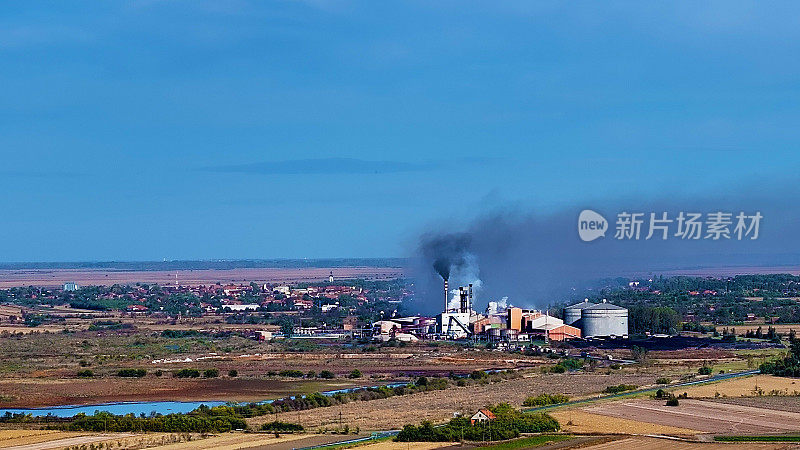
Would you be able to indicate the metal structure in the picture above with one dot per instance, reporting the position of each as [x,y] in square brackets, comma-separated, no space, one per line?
[573,314]
[604,320]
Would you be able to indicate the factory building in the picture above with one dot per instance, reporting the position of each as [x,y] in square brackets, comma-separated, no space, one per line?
[598,319]
[454,322]
[536,324]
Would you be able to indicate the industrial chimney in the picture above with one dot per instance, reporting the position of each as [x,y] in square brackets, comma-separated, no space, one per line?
[446,293]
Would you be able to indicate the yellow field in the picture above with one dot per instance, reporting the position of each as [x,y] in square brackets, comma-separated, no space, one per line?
[59,439]
[744,387]
[583,422]
[10,438]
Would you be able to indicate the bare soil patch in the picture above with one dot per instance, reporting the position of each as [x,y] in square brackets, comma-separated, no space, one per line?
[791,404]
[702,415]
[649,443]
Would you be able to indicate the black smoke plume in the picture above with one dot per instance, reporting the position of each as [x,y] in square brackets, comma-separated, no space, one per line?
[537,259]
[447,251]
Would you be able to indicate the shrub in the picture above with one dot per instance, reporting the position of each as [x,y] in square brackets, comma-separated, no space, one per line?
[211,373]
[478,375]
[327,374]
[705,370]
[355,374]
[422,381]
[132,373]
[558,368]
[233,373]
[545,399]
[291,373]
[85,373]
[159,372]
[663,380]
[620,388]
[186,373]
[571,364]
[673,401]
[311,374]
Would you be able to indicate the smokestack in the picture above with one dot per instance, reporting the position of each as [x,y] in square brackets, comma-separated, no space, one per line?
[469,298]
[446,293]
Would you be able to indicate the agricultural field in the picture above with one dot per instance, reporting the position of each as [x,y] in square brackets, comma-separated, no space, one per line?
[745,387]
[107,277]
[704,416]
[439,406]
[651,443]
[791,404]
[585,422]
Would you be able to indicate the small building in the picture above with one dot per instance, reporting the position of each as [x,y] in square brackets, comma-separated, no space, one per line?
[240,308]
[483,415]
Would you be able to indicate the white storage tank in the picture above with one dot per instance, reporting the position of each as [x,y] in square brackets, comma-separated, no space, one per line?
[604,320]
[573,314]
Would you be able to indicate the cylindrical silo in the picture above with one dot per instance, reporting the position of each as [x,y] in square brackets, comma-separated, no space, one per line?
[572,314]
[604,320]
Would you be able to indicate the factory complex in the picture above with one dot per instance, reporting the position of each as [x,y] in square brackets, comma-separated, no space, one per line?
[458,320]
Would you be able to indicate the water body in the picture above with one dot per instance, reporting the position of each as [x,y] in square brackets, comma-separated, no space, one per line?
[146,408]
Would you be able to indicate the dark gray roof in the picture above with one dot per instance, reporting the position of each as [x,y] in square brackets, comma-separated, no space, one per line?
[582,305]
[608,306]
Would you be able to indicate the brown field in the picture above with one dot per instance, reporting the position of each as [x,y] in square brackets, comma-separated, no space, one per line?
[439,406]
[585,422]
[33,393]
[769,402]
[101,277]
[650,443]
[706,416]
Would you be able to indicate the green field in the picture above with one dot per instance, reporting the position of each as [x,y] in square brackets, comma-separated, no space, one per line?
[529,442]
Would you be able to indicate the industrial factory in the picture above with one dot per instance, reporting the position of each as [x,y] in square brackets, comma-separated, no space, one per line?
[501,323]
[584,320]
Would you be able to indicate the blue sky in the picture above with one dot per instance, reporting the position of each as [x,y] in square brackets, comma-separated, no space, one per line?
[143,130]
